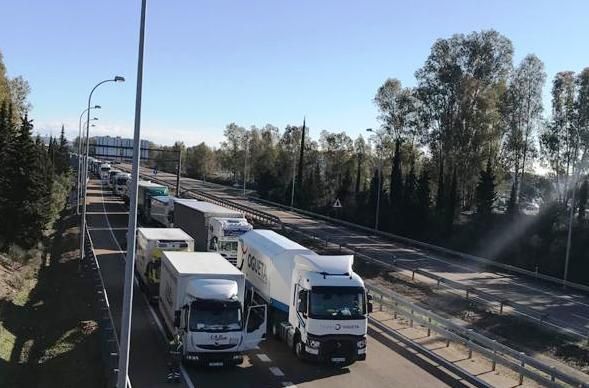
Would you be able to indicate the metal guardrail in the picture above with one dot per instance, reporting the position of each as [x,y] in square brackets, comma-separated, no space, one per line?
[431,247]
[107,329]
[521,363]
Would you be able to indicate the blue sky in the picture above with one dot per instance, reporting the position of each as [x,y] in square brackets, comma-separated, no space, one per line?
[212,62]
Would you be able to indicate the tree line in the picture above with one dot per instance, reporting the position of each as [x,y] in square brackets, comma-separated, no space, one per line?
[454,160]
[34,175]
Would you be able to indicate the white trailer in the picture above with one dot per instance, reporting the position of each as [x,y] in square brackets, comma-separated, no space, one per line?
[161,210]
[318,305]
[151,242]
[202,299]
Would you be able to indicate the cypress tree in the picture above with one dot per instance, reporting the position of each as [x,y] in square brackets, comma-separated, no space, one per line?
[485,193]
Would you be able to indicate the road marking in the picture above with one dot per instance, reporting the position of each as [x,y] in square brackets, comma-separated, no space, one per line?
[263,357]
[187,378]
[276,371]
[580,316]
[288,384]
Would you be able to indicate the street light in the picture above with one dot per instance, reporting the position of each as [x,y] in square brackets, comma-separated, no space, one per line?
[127,310]
[79,185]
[379,172]
[85,166]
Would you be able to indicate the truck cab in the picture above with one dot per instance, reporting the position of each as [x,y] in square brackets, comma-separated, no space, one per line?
[104,170]
[112,177]
[202,299]
[120,187]
[224,234]
[161,210]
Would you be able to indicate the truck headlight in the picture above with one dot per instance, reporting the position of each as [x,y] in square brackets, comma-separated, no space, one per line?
[313,344]
[361,344]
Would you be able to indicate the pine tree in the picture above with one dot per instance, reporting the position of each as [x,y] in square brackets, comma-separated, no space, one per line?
[423,196]
[61,158]
[396,185]
[409,206]
[485,192]
[512,203]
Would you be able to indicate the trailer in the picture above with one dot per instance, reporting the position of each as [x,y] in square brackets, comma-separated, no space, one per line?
[151,242]
[161,211]
[202,299]
[317,304]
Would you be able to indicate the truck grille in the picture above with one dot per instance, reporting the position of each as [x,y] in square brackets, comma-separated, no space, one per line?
[337,347]
[217,347]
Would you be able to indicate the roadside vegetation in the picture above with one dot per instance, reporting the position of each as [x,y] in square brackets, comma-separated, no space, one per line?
[469,158]
[47,327]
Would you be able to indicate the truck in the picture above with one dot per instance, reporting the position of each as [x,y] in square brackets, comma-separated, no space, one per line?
[151,242]
[317,304]
[145,190]
[112,177]
[202,300]
[120,187]
[213,227]
[103,172]
[161,210]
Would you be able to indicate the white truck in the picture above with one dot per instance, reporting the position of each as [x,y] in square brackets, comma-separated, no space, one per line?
[161,210]
[120,187]
[318,305]
[213,227]
[103,172]
[202,299]
[151,242]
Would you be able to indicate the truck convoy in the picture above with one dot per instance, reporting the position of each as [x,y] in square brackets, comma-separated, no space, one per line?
[202,298]
[318,305]
[213,227]
[151,242]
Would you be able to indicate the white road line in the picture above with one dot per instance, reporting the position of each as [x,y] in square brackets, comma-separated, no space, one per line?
[276,371]
[263,357]
[581,316]
[187,378]
[288,384]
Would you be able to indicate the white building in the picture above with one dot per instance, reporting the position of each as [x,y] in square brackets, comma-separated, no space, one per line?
[117,148]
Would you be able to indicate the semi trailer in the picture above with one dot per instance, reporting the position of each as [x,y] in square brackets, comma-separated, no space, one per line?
[161,210]
[151,242]
[317,304]
[213,227]
[202,300]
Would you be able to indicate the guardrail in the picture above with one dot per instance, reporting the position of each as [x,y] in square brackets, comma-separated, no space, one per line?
[431,247]
[106,327]
[498,353]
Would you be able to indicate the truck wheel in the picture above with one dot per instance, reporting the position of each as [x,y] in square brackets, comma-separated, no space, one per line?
[275,331]
[299,348]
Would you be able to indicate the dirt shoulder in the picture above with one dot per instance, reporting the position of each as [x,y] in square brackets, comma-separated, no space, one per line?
[48,331]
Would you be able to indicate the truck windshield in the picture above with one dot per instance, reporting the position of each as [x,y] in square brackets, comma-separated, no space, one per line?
[337,303]
[227,246]
[215,316]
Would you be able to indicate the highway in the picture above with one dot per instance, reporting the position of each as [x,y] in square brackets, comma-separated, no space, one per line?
[570,307]
[272,365]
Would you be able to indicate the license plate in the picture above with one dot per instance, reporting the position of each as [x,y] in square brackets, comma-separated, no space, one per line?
[338,359]
[215,364]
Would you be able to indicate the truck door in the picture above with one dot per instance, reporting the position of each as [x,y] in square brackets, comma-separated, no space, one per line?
[255,327]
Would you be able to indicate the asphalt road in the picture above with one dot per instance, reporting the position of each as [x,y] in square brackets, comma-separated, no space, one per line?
[272,365]
[569,306]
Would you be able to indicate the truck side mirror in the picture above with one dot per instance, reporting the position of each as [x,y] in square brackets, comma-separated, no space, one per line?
[369,307]
[302,302]
[177,318]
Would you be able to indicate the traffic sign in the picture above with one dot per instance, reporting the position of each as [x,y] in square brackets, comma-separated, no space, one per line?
[337,203]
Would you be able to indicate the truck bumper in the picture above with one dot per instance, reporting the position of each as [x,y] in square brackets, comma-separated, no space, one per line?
[337,351]
[214,359]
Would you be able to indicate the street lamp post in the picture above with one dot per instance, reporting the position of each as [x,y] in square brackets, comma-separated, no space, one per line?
[79,184]
[85,166]
[379,172]
[245,164]
[122,377]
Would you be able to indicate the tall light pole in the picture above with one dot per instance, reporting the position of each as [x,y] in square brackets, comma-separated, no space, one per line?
[132,224]
[292,190]
[85,166]
[79,188]
[245,164]
[379,172]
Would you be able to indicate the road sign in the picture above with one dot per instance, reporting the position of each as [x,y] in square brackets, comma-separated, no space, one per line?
[337,203]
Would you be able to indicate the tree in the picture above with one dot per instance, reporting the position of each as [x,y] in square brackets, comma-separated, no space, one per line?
[485,193]
[582,201]
[301,157]
[396,184]
[423,196]
[360,149]
[200,161]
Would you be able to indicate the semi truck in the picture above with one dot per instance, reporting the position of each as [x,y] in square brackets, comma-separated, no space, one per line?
[151,242]
[145,190]
[161,210]
[120,187]
[317,304]
[213,227]
[202,300]
[104,170]
[112,177]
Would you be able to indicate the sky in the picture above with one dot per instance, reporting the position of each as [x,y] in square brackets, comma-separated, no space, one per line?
[212,62]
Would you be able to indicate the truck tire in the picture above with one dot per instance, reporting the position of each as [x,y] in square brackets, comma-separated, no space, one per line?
[299,348]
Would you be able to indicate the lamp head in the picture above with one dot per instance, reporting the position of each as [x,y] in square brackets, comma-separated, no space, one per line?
[96,107]
[119,78]
[369,130]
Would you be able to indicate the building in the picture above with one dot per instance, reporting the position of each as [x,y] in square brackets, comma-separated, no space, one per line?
[116,148]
